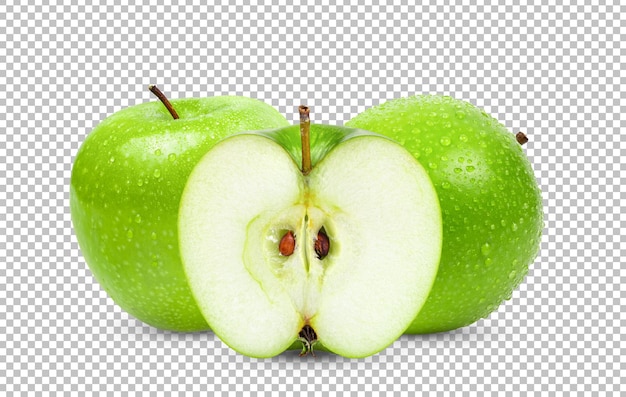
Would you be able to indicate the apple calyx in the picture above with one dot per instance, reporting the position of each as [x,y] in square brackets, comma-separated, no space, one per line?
[308,337]
[159,94]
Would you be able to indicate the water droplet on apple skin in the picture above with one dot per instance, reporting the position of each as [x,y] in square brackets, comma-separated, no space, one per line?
[157,173]
[445,141]
[172,157]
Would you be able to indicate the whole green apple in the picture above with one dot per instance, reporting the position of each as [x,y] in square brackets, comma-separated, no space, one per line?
[490,202]
[126,186]
[339,253]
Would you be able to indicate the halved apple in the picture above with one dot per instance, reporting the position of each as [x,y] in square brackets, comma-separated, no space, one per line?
[345,254]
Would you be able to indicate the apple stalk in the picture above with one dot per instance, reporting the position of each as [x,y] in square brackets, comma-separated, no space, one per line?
[305,136]
[159,94]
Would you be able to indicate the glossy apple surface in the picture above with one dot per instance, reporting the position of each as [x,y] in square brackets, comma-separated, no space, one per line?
[126,185]
[491,204]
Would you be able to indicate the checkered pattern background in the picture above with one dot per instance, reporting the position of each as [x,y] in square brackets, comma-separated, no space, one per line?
[555,72]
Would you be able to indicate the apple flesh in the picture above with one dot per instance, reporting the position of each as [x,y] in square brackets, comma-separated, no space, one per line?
[344,256]
[490,202]
[126,185]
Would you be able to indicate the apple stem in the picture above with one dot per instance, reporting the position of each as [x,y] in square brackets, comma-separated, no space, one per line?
[521,138]
[159,94]
[305,136]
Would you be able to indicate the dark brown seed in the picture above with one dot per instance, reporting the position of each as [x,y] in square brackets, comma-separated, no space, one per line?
[287,244]
[322,245]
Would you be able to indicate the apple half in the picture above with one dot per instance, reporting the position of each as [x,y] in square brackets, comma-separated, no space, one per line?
[344,255]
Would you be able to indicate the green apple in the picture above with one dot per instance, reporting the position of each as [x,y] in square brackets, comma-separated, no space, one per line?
[490,202]
[342,253]
[126,185]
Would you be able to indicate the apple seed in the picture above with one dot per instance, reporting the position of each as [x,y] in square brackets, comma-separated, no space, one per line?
[287,244]
[322,244]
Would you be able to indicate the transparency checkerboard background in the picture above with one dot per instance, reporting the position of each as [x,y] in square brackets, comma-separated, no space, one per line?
[553,71]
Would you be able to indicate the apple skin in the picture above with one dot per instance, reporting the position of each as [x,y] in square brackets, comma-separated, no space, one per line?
[126,184]
[491,204]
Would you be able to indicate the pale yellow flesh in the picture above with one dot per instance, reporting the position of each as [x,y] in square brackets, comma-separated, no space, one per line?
[383,220]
